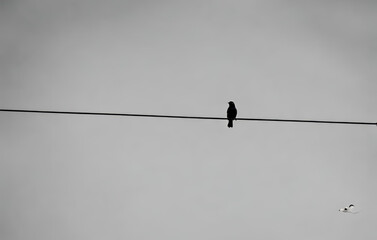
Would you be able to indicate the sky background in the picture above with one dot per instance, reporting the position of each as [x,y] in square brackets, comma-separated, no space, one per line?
[95,177]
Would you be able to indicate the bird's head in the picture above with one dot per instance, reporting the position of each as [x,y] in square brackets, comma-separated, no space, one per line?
[231,103]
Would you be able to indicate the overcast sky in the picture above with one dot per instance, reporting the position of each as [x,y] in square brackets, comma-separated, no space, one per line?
[92,177]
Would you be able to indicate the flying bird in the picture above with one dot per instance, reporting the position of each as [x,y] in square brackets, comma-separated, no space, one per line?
[348,209]
[231,114]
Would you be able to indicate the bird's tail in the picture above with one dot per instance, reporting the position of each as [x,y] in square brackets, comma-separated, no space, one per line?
[230,123]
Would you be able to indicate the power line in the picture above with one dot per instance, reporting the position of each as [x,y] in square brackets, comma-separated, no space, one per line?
[185,117]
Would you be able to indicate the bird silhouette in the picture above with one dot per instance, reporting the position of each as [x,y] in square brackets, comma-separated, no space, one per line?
[231,114]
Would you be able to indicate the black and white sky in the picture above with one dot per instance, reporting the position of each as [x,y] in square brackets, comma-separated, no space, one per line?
[96,177]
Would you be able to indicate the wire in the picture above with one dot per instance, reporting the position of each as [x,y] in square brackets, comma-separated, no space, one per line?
[186,117]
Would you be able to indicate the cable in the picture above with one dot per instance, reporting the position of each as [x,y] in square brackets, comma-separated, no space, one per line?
[186,117]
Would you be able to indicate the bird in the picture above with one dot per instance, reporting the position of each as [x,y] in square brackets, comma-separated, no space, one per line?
[231,114]
[348,209]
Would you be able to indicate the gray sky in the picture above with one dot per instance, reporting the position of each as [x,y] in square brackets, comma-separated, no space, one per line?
[86,177]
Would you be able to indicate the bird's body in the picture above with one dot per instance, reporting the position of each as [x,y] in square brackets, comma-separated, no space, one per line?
[231,114]
[348,209]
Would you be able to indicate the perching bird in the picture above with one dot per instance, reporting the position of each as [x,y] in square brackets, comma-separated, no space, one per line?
[231,114]
[348,209]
